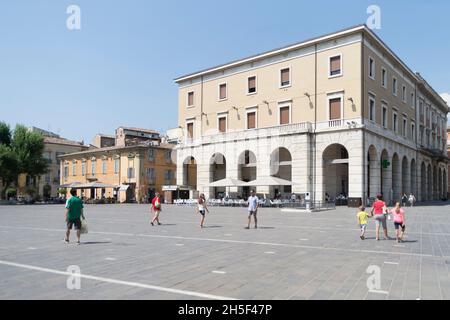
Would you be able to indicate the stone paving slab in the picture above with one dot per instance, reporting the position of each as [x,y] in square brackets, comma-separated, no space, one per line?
[291,256]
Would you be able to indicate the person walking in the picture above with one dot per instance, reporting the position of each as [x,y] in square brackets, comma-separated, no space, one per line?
[379,211]
[74,214]
[404,200]
[202,208]
[362,216]
[399,222]
[252,209]
[411,199]
[156,208]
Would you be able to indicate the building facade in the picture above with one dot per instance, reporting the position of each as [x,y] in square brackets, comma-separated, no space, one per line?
[339,115]
[54,146]
[126,173]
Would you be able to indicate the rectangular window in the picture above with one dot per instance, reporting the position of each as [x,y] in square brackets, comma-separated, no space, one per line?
[372,68]
[74,168]
[151,155]
[190,130]
[413,103]
[251,85]
[285,115]
[413,132]
[93,165]
[168,175]
[83,168]
[335,108]
[190,99]
[394,86]
[151,175]
[66,172]
[222,123]
[384,116]
[103,166]
[372,109]
[130,173]
[383,78]
[116,166]
[335,66]
[223,91]
[404,129]
[403,93]
[168,156]
[251,120]
[285,77]
[394,122]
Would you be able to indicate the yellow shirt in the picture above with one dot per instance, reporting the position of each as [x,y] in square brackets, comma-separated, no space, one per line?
[362,217]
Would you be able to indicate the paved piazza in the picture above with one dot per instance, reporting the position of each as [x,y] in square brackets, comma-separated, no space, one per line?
[291,255]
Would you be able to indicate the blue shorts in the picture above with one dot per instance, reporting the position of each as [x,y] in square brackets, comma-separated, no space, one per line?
[202,212]
[363,227]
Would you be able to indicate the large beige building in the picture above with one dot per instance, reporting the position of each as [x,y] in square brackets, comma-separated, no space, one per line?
[133,169]
[336,115]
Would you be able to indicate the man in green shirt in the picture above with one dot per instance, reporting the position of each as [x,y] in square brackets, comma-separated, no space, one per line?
[74,213]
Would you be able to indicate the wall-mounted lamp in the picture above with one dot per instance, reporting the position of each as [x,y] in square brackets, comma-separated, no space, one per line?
[268,106]
[308,95]
[351,100]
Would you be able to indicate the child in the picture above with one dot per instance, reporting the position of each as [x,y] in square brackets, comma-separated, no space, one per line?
[362,221]
[202,208]
[156,208]
[399,221]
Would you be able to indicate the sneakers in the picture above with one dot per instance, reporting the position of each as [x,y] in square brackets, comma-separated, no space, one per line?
[159,223]
[247,227]
[66,241]
[362,237]
[78,243]
[152,223]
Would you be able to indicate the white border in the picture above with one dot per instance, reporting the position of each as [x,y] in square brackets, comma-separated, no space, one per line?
[384,78]
[384,106]
[251,110]
[283,105]
[335,95]
[226,91]
[187,99]
[372,98]
[256,86]
[341,67]
[219,116]
[369,69]
[290,78]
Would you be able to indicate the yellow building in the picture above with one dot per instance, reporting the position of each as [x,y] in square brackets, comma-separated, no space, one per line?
[124,173]
[47,184]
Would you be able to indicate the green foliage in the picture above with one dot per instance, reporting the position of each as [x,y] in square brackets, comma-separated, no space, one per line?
[21,151]
[11,192]
[62,191]
[5,134]
[31,191]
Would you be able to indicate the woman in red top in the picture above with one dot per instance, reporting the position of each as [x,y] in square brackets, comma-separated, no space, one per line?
[156,208]
[379,210]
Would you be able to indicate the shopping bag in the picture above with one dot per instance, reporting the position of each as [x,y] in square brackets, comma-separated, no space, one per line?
[84,226]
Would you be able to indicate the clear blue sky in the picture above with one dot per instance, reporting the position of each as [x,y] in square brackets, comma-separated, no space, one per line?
[119,68]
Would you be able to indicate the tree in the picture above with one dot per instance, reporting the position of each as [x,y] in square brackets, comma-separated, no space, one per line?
[20,152]
[8,167]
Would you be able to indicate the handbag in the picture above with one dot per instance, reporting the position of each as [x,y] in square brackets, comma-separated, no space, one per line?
[84,226]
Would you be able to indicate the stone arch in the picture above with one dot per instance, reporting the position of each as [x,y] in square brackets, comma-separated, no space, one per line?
[396,178]
[386,176]
[406,176]
[281,167]
[335,162]
[373,172]
[217,171]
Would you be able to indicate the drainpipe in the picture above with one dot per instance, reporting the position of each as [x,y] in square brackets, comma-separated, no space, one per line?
[314,177]
[364,182]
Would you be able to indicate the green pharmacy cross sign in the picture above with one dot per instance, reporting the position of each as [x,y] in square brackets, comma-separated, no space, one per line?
[385,164]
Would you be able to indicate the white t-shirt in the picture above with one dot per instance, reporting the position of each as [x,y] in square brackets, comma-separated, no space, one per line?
[252,203]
